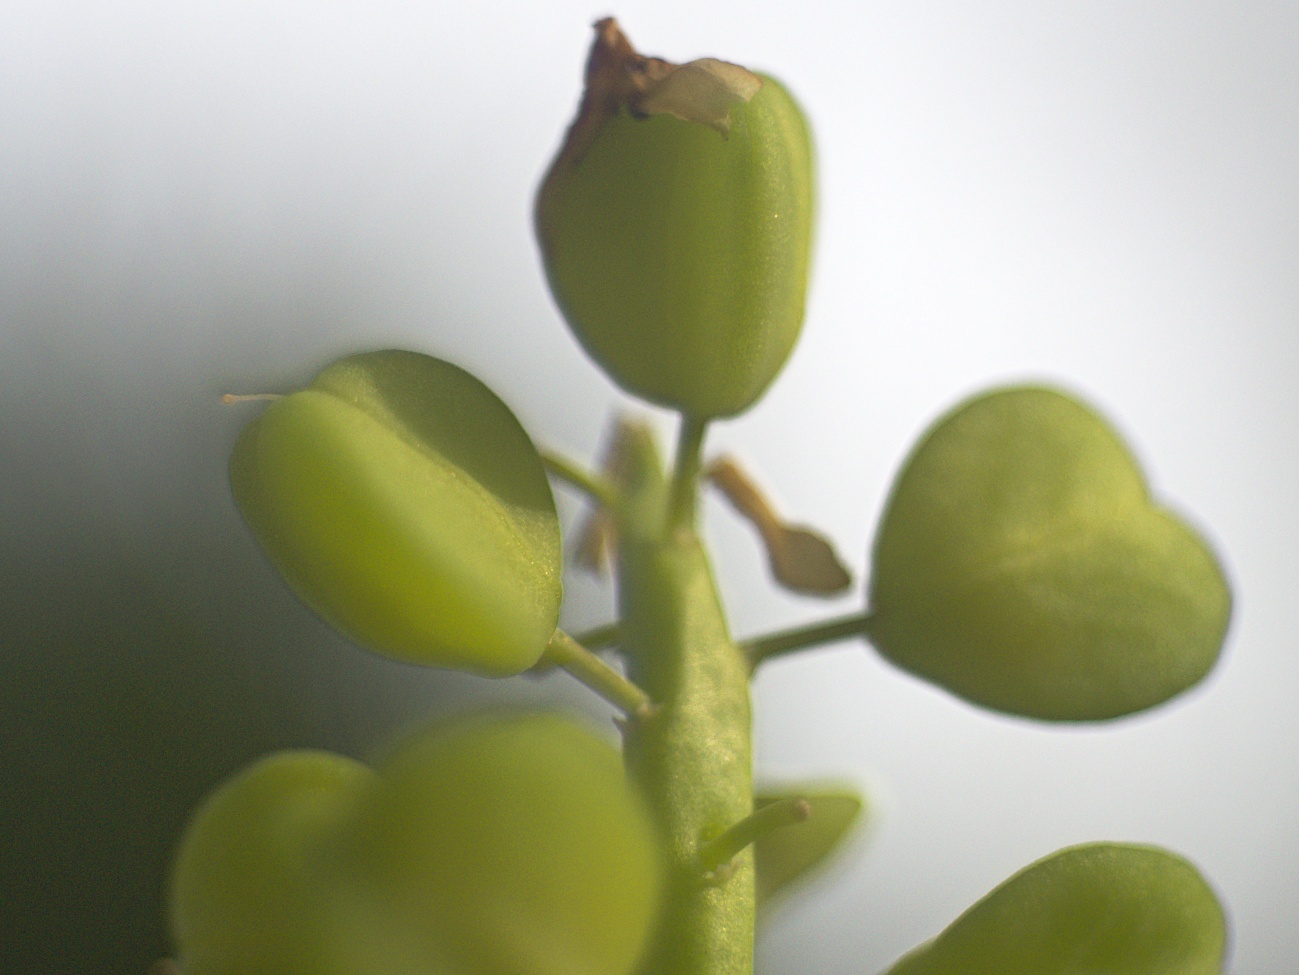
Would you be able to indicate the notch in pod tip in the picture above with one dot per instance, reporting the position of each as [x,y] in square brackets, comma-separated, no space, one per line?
[1022,564]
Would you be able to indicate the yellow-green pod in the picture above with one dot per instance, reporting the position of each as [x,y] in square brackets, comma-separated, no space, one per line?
[404,503]
[501,845]
[676,226]
[1116,908]
[1023,564]
[256,890]
[517,845]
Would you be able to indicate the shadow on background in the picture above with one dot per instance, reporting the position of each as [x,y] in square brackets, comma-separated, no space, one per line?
[125,699]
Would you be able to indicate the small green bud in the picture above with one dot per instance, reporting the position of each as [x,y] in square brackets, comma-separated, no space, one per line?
[1105,907]
[406,505]
[1022,564]
[676,226]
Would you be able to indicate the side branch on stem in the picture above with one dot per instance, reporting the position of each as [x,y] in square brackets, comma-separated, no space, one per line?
[563,651]
[685,473]
[596,486]
[761,649]
[718,852]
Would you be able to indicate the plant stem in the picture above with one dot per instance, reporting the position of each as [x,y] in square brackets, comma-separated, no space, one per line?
[685,473]
[764,648]
[564,651]
[599,488]
[600,637]
[693,757]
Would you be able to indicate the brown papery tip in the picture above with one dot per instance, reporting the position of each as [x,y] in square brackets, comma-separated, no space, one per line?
[618,77]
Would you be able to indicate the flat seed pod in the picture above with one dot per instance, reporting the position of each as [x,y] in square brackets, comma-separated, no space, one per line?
[1105,907]
[518,845]
[1022,564]
[405,504]
[256,888]
[676,225]
[500,846]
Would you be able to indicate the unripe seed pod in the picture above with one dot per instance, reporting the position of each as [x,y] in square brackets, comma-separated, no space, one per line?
[1023,564]
[499,845]
[252,890]
[518,845]
[676,226]
[1116,908]
[404,503]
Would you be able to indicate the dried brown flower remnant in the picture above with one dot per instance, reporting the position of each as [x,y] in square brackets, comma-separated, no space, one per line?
[618,77]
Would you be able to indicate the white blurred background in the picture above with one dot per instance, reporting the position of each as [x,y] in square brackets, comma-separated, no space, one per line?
[214,196]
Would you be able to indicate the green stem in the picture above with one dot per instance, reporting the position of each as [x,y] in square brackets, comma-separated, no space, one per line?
[771,817]
[761,649]
[563,651]
[600,637]
[600,489]
[693,758]
[685,473]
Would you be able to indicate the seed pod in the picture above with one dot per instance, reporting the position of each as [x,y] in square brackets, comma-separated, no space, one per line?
[676,226]
[1022,564]
[1116,908]
[403,502]
[502,845]
[518,844]
[250,890]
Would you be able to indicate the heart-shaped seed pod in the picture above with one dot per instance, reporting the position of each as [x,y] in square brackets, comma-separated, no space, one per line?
[676,226]
[1104,907]
[1022,564]
[404,503]
[519,844]
[498,846]
[253,888]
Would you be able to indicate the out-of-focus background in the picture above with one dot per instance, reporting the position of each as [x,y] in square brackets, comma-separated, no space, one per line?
[213,196]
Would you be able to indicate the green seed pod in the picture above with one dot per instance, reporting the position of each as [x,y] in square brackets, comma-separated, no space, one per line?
[676,226]
[254,889]
[496,846]
[404,503]
[1104,907]
[518,844]
[1022,564]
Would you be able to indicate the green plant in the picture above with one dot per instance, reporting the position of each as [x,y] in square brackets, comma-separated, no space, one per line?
[1021,564]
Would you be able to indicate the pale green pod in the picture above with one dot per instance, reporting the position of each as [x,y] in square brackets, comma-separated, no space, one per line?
[494,846]
[404,503]
[258,889]
[676,227]
[518,845]
[1106,908]
[1022,564]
